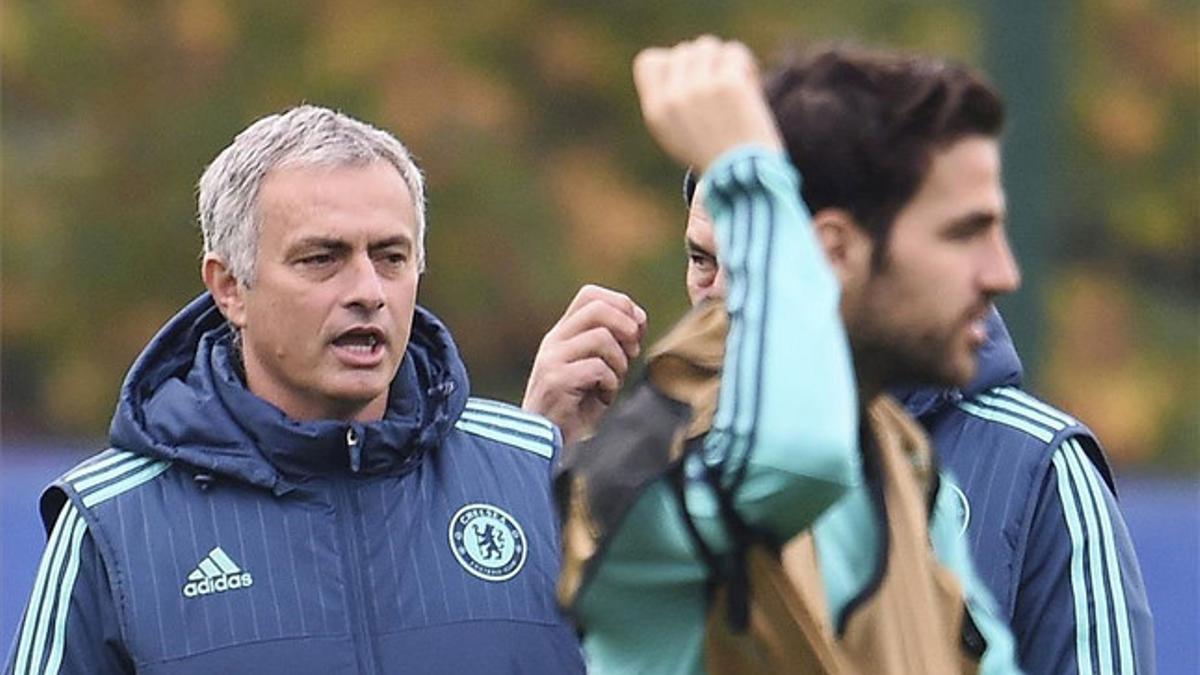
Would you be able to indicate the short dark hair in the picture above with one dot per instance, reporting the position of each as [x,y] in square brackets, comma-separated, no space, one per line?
[861,125]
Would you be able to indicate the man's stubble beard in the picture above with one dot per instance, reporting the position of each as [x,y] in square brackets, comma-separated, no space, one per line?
[892,357]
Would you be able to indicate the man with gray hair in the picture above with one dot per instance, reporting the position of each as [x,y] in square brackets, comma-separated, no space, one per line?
[298,480]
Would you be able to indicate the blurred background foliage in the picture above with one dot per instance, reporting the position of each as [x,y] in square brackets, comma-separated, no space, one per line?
[541,176]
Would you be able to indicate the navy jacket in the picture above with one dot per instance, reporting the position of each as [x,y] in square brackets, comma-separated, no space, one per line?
[220,536]
[1040,510]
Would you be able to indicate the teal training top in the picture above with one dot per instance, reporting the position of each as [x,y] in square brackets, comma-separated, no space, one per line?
[786,425]
[786,412]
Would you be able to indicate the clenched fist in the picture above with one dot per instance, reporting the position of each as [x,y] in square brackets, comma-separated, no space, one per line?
[702,98]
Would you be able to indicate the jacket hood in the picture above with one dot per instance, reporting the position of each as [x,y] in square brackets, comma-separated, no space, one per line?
[185,400]
[998,365]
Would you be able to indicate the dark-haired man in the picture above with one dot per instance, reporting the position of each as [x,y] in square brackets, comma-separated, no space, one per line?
[1037,496]
[898,162]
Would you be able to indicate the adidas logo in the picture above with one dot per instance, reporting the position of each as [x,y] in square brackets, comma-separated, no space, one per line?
[216,573]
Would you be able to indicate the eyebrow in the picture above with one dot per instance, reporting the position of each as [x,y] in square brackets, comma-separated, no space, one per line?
[311,243]
[334,244]
[692,247]
[399,240]
[976,219]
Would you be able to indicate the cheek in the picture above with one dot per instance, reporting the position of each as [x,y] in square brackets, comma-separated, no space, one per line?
[283,321]
[404,292]
[698,284]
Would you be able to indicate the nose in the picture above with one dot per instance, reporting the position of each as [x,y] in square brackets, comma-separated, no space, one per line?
[1001,273]
[364,285]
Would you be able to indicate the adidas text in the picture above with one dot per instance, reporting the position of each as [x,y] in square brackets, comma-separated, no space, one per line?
[228,582]
[216,573]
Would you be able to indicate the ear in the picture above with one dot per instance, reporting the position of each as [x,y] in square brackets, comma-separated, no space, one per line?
[847,245]
[227,291]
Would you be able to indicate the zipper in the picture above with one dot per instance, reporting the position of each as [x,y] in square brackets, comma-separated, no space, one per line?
[354,448]
[360,624]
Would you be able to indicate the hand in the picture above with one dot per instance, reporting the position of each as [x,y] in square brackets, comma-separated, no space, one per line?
[702,98]
[583,360]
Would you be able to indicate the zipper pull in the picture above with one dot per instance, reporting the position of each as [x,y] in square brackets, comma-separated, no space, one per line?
[354,448]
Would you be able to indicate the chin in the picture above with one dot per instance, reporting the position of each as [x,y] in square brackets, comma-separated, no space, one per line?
[357,393]
[950,371]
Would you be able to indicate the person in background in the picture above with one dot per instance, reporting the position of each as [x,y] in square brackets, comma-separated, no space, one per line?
[1039,509]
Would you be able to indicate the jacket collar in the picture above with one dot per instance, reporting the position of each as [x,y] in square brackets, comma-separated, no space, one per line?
[998,365]
[186,400]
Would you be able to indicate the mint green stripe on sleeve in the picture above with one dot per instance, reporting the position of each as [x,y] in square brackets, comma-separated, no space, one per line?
[120,469]
[521,442]
[126,484]
[538,430]
[1021,409]
[1107,543]
[48,568]
[1040,433]
[1083,634]
[1018,395]
[504,410]
[98,465]
[63,605]
[1104,643]
[37,618]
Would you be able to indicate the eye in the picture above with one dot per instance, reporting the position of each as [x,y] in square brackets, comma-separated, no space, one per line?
[391,261]
[701,261]
[316,260]
[392,258]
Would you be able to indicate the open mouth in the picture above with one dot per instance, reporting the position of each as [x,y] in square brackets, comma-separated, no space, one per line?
[360,341]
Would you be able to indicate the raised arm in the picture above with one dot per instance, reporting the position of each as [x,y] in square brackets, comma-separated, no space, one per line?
[786,424]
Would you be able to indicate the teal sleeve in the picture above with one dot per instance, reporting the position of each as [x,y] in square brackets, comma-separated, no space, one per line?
[785,431]
[946,531]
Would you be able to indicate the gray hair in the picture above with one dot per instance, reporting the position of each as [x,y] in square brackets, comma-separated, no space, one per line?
[302,136]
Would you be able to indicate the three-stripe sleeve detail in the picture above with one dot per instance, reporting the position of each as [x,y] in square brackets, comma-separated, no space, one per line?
[1014,408]
[42,638]
[1101,614]
[1102,625]
[508,425]
[41,642]
[749,246]
[113,473]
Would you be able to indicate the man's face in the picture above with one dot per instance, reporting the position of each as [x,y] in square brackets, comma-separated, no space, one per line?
[920,317]
[704,276]
[326,323]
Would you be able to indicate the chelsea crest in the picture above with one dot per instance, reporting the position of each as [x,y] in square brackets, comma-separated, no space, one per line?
[488,542]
